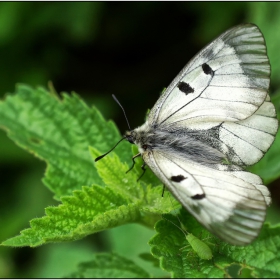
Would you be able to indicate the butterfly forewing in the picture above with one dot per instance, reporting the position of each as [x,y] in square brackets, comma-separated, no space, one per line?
[226,81]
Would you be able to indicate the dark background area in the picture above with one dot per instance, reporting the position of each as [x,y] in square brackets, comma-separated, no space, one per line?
[97,49]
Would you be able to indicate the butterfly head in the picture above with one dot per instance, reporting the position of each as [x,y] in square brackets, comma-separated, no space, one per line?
[130,136]
[134,137]
[140,136]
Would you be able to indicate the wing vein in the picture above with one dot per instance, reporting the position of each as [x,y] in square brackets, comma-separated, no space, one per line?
[254,129]
[236,101]
[243,140]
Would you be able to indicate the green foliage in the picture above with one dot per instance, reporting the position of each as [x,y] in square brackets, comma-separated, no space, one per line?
[109,266]
[86,212]
[98,196]
[261,258]
[53,130]
[59,132]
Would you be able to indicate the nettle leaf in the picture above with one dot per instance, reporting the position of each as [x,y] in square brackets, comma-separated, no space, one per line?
[89,210]
[93,209]
[109,266]
[113,174]
[176,255]
[160,202]
[262,257]
[59,131]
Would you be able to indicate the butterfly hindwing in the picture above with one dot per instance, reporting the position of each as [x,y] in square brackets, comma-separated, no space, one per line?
[229,204]
[253,135]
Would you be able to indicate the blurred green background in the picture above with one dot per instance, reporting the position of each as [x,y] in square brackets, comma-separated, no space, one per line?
[132,50]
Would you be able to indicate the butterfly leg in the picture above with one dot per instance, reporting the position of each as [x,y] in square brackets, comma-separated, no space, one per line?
[163,189]
[144,169]
[138,155]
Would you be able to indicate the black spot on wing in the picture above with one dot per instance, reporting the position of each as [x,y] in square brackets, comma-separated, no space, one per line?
[207,69]
[198,196]
[178,178]
[185,87]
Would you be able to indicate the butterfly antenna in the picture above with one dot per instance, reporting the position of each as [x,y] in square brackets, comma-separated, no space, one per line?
[115,98]
[100,157]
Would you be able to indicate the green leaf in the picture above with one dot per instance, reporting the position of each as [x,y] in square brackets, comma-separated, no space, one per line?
[109,266]
[113,174]
[260,259]
[95,208]
[158,203]
[59,132]
[89,210]
[262,256]
[167,246]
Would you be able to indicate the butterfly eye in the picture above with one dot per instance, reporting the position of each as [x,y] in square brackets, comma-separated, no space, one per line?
[144,147]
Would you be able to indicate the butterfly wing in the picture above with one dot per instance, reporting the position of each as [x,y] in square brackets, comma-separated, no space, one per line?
[227,81]
[232,205]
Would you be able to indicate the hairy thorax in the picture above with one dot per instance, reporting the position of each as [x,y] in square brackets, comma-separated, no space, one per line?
[198,146]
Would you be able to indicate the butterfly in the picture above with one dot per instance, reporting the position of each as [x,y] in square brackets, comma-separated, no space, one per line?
[211,122]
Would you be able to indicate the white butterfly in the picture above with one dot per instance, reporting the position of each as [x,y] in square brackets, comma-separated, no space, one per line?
[213,120]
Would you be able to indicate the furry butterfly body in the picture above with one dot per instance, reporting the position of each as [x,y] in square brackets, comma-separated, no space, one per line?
[213,120]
